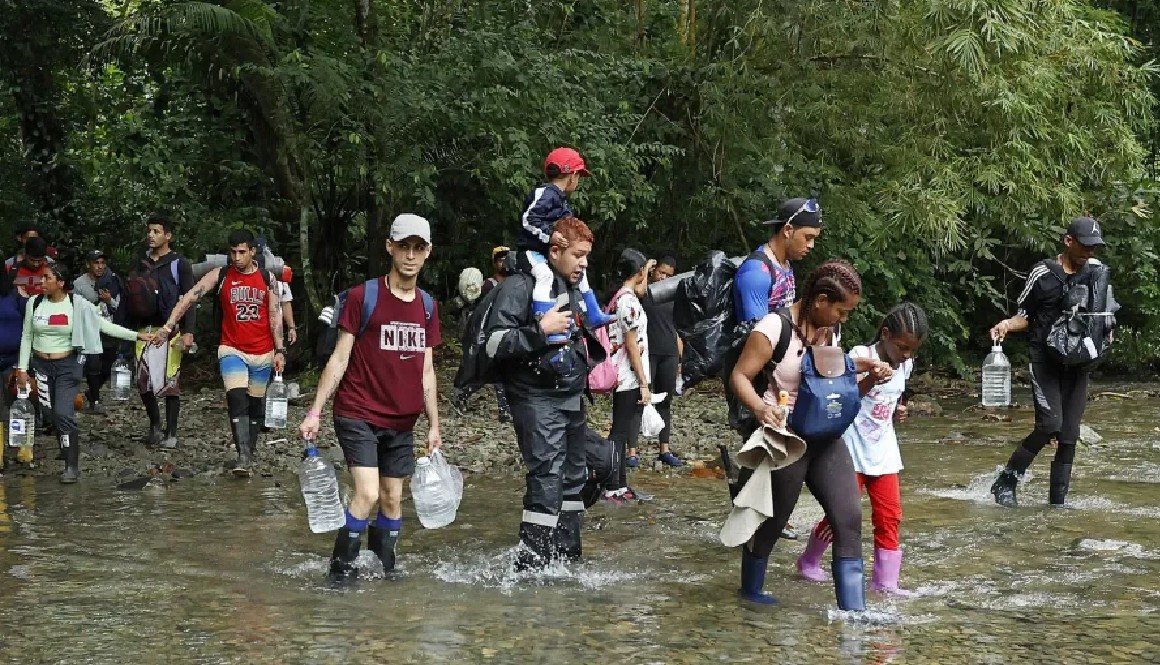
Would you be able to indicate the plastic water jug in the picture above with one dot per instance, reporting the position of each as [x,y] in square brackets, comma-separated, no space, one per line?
[996,390]
[21,421]
[320,491]
[277,403]
[434,498]
[121,379]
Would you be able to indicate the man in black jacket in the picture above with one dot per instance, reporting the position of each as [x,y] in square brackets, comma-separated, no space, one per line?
[545,385]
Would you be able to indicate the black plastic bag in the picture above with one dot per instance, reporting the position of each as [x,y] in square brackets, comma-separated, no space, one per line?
[703,315]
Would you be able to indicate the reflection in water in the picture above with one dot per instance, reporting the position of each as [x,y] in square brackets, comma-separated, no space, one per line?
[228,573]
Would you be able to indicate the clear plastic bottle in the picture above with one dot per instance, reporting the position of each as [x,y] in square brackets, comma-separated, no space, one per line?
[434,499]
[122,379]
[277,403]
[21,421]
[996,389]
[320,491]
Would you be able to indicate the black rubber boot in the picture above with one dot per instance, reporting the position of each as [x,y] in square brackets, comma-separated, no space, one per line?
[241,431]
[1060,482]
[1004,488]
[346,548]
[72,458]
[566,537]
[535,551]
[382,542]
[255,432]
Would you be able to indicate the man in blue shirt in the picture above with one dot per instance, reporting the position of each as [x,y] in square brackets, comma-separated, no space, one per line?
[765,282]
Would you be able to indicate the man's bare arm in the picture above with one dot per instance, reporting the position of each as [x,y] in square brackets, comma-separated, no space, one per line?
[203,286]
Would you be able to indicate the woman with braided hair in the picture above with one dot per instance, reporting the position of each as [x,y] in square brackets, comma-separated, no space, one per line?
[831,292]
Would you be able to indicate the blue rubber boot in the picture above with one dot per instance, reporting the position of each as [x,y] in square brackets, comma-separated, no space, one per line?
[849,584]
[753,579]
[595,315]
[539,309]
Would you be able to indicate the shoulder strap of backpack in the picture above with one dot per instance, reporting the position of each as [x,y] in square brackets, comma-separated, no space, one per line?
[36,300]
[173,271]
[428,303]
[370,299]
[784,338]
[760,255]
[221,280]
[1056,268]
[614,301]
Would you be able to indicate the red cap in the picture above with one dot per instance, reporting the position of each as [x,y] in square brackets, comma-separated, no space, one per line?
[567,160]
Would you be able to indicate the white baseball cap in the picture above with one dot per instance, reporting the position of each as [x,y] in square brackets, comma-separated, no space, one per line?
[408,225]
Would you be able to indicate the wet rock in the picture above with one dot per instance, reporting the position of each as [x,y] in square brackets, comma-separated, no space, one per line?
[1088,436]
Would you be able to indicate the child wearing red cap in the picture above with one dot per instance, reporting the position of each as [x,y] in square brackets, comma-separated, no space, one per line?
[543,207]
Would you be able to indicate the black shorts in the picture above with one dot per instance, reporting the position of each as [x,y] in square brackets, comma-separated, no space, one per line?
[391,451]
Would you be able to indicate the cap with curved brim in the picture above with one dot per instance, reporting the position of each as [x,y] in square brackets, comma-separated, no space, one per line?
[1086,232]
[410,226]
[799,212]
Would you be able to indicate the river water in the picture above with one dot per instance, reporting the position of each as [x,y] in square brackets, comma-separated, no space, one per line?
[227,572]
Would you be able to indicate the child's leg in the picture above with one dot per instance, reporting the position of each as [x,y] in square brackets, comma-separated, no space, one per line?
[886,515]
[885,509]
[542,301]
[592,310]
[542,272]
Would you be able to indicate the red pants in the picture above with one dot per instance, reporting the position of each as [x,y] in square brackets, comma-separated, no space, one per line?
[885,511]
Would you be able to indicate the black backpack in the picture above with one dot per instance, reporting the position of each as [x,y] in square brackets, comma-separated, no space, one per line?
[152,291]
[329,337]
[1079,335]
[704,317]
[742,419]
[476,368]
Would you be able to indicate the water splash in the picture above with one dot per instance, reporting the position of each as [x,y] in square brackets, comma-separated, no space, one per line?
[498,571]
[978,490]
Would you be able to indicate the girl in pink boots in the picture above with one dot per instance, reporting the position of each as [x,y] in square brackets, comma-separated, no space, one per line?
[873,447]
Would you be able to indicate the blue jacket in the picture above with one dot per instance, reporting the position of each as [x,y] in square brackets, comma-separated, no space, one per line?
[543,207]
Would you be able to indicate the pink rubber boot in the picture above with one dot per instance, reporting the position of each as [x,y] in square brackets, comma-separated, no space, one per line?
[887,566]
[809,564]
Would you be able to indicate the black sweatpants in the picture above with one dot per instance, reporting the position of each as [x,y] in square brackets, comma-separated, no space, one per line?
[664,380]
[57,385]
[626,413]
[1060,395]
[827,471]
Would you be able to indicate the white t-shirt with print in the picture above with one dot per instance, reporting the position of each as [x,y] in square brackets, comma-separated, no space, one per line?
[284,293]
[871,439]
[630,316]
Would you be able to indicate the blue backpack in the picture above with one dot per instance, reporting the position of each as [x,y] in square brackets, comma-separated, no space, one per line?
[828,399]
